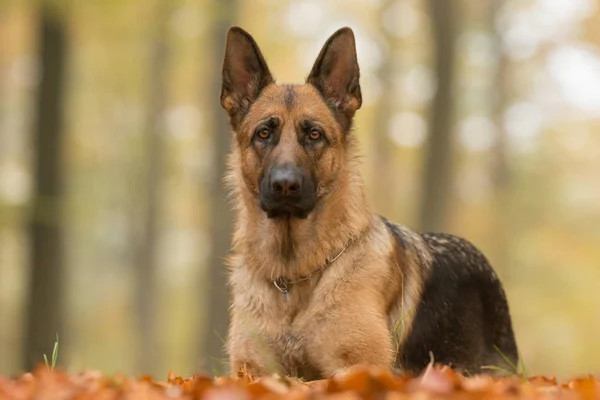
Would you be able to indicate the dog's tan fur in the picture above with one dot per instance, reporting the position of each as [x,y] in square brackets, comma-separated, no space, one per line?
[265,329]
[349,312]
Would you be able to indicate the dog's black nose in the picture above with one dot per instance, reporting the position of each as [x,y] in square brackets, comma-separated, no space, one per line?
[286,180]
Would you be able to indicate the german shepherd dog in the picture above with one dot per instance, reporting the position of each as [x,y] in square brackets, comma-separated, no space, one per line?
[319,282]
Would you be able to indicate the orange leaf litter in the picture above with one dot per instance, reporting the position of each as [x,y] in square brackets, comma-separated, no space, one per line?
[358,383]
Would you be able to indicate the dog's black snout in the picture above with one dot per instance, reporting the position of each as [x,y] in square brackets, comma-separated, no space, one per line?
[286,181]
[287,190]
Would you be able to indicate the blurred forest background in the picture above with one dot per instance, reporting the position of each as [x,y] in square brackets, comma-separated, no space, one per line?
[480,118]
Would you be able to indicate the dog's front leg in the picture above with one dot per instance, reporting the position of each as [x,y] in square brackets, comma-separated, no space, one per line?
[249,350]
[350,335]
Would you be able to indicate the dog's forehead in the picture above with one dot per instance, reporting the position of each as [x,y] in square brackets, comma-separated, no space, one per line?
[293,100]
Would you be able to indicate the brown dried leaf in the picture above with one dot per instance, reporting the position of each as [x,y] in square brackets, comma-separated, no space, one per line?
[355,383]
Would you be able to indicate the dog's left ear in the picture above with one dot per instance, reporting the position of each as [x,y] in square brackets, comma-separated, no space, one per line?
[336,75]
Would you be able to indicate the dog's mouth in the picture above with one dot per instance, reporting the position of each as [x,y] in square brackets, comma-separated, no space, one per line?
[286,210]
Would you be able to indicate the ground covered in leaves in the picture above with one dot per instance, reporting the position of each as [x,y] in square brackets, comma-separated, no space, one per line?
[360,383]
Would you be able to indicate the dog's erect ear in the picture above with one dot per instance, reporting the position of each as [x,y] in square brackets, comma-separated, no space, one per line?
[336,75]
[245,74]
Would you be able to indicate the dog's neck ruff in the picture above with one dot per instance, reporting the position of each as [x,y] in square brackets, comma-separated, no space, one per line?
[284,285]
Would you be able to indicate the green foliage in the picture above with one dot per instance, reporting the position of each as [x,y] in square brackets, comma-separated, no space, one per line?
[518,370]
[52,365]
[399,328]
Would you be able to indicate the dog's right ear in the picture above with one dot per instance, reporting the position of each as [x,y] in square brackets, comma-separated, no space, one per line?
[245,74]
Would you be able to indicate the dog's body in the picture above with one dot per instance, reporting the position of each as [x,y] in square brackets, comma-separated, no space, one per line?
[319,282]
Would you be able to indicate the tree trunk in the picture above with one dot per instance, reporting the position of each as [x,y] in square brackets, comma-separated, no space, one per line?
[217,297]
[437,182]
[500,171]
[148,351]
[45,311]
[382,162]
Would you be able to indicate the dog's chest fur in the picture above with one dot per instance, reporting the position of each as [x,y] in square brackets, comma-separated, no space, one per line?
[290,331]
[290,345]
[278,322]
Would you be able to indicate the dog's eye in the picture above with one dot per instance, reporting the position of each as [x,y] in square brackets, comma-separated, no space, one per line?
[264,134]
[314,134]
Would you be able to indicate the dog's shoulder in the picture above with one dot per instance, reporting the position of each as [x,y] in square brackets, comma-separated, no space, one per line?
[409,244]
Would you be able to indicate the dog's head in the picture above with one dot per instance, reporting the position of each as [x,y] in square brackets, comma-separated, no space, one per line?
[291,138]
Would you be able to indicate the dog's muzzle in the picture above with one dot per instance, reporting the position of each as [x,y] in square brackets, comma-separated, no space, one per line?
[287,191]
